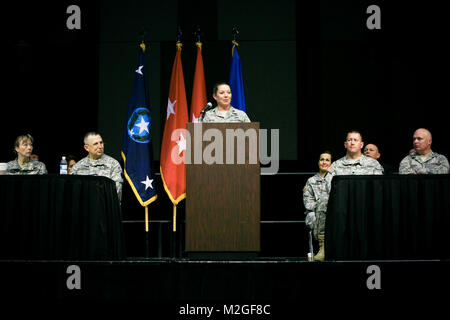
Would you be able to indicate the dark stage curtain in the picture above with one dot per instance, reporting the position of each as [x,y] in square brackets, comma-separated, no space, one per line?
[60,217]
[388,217]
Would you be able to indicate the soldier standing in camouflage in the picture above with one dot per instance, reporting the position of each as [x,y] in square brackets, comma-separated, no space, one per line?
[224,112]
[421,160]
[354,162]
[23,147]
[97,163]
[315,199]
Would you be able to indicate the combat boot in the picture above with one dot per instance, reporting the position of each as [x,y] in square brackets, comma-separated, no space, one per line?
[320,256]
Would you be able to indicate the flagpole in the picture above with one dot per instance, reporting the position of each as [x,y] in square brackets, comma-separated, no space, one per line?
[146,232]
[198,33]
[174,218]
[235,32]
[146,218]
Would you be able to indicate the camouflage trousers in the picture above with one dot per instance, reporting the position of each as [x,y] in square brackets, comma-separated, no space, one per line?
[319,224]
[321,214]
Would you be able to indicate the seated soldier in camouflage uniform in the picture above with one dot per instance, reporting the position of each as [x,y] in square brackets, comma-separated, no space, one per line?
[421,160]
[224,112]
[23,147]
[354,162]
[97,163]
[315,199]
[371,150]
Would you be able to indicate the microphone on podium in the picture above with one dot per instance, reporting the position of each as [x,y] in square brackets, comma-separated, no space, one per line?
[208,106]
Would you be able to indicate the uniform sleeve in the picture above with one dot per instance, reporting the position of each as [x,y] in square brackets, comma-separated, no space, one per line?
[245,117]
[75,169]
[42,169]
[444,168]
[116,175]
[332,169]
[378,170]
[405,167]
[309,199]
[11,168]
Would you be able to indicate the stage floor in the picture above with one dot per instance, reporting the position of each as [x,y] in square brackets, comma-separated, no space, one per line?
[175,286]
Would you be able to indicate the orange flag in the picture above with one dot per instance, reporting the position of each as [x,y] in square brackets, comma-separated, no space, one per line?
[199,89]
[173,148]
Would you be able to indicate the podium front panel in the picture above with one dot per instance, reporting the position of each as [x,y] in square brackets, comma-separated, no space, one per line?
[223,197]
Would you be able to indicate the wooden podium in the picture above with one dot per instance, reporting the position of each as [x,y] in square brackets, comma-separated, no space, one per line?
[223,196]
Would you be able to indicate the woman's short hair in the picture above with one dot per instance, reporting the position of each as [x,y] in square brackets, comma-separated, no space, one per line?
[327,152]
[217,85]
[19,139]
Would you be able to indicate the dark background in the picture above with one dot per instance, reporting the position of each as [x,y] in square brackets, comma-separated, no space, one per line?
[311,69]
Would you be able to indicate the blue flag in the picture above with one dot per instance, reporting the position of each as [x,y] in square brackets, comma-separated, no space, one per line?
[137,139]
[236,82]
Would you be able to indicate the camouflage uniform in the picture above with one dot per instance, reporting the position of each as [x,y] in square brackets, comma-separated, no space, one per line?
[232,115]
[106,166]
[361,166]
[32,167]
[315,199]
[433,163]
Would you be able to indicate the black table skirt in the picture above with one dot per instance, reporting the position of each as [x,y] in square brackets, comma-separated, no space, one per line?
[388,217]
[60,217]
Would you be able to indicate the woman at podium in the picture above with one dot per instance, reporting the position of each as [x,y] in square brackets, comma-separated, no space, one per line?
[224,112]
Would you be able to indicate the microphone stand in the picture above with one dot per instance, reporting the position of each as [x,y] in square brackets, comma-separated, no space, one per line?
[208,107]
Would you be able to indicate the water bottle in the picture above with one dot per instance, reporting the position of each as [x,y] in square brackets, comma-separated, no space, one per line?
[63,166]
